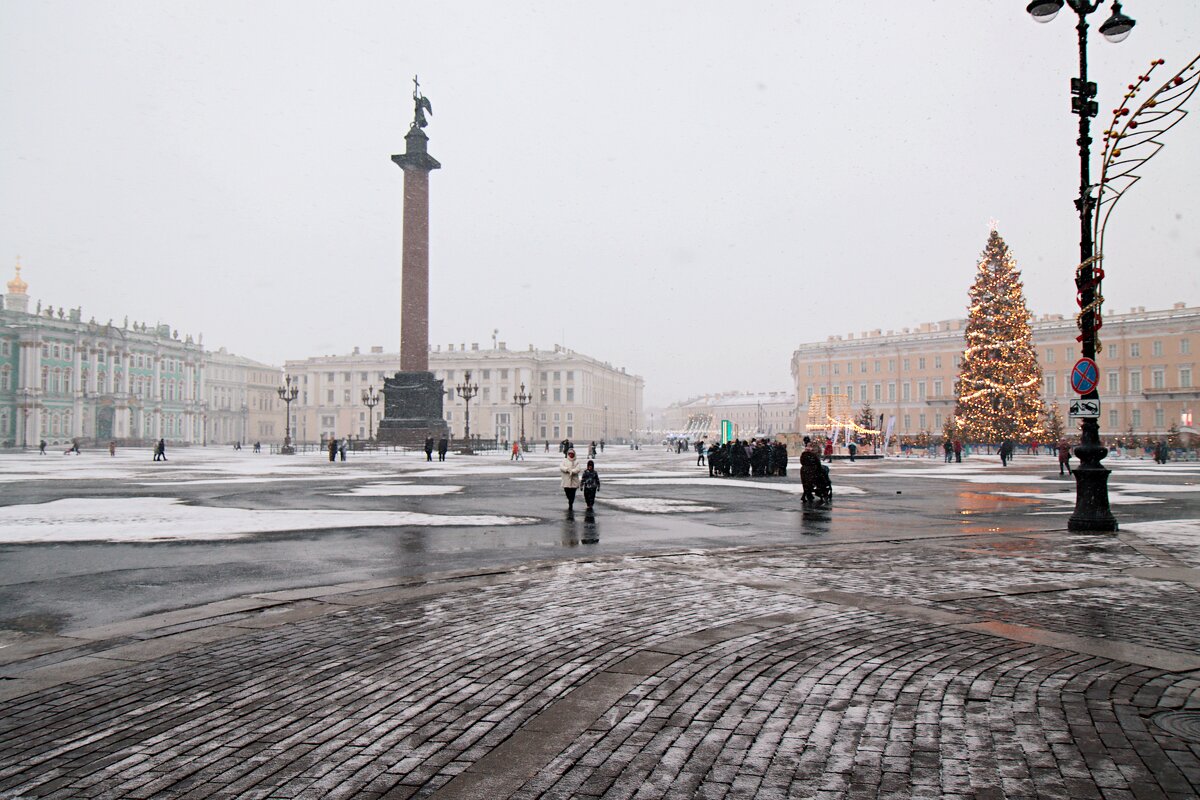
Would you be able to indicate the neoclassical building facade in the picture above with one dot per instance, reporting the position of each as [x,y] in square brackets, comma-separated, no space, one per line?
[751,414]
[571,395]
[64,379]
[1147,364]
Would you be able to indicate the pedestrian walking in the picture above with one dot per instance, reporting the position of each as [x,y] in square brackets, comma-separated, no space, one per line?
[332,449]
[42,447]
[589,481]
[443,446]
[1064,457]
[601,445]
[958,448]
[429,449]
[112,448]
[343,446]
[160,450]
[570,469]
[1006,450]
[852,448]
[592,450]
[948,446]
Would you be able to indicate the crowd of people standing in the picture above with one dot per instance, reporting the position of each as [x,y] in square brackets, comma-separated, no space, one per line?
[737,458]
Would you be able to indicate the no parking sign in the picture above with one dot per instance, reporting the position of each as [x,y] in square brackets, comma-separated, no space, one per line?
[1084,376]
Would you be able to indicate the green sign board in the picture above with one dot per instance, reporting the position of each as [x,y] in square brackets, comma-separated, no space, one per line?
[726,431]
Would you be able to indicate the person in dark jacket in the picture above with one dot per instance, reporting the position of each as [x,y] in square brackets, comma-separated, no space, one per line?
[1064,457]
[333,448]
[781,459]
[443,446]
[810,467]
[589,481]
[429,449]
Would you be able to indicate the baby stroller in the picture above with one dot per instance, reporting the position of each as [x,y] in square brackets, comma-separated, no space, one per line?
[822,487]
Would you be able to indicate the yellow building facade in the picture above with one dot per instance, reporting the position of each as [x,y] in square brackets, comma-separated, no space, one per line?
[1147,364]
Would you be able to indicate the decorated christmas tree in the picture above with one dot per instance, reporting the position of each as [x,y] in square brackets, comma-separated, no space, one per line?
[1053,425]
[999,385]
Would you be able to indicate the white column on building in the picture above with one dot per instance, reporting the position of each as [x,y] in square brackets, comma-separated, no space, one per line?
[93,370]
[123,415]
[110,364]
[156,395]
[29,388]
[77,390]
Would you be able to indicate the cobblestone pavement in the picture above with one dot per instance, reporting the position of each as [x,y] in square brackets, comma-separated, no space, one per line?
[1037,665]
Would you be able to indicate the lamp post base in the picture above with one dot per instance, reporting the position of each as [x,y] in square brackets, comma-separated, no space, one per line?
[1092,514]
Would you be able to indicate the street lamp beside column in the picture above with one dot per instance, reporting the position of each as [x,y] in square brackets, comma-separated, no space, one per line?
[370,399]
[1092,511]
[466,390]
[522,399]
[287,393]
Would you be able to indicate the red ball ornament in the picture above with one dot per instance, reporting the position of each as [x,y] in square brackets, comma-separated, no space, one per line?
[1133,124]
[1178,80]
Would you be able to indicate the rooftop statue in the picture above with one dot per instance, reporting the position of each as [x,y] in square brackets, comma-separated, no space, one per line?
[421,105]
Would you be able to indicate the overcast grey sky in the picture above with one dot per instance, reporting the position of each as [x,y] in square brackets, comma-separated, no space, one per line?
[686,189]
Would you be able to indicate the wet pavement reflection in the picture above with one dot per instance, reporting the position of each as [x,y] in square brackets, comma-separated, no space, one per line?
[668,504]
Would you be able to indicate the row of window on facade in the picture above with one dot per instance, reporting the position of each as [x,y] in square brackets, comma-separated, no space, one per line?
[61,381]
[877,394]
[556,395]
[1069,354]
[1116,425]
[823,369]
[226,398]
[1158,380]
[140,360]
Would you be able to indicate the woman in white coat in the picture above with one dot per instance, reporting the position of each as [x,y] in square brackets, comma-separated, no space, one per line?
[570,469]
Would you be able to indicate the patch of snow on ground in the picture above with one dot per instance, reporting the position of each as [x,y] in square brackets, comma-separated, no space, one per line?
[1067,498]
[137,519]
[1181,536]
[655,505]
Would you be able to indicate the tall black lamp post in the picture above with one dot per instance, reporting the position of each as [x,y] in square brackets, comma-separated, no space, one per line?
[522,399]
[370,399]
[287,393]
[467,390]
[1092,511]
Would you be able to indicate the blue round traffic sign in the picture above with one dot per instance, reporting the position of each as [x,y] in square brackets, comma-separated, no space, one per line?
[1084,376]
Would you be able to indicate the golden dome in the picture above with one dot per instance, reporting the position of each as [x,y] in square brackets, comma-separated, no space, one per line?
[16,285]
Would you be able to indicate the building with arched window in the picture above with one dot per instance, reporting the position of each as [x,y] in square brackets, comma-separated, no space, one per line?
[64,379]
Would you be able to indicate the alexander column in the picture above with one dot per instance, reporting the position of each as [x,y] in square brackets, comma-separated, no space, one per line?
[413,397]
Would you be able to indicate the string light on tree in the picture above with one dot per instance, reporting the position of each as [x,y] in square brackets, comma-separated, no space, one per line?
[999,385]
